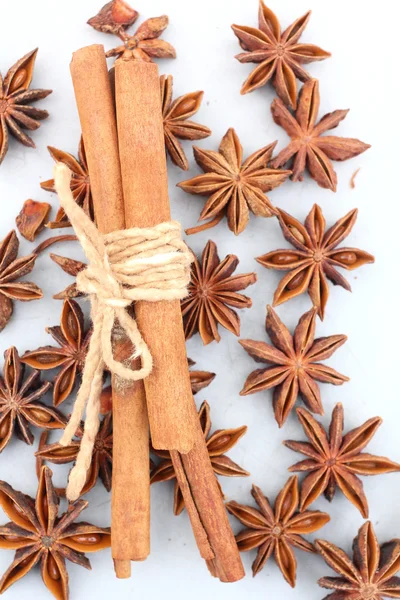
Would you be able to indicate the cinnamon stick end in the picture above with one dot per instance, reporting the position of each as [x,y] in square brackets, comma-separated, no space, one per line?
[122,568]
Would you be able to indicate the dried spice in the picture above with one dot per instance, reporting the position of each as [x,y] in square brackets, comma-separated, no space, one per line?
[176,125]
[218,444]
[144,44]
[16,113]
[235,188]
[309,149]
[39,535]
[32,219]
[199,379]
[334,460]
[80,183]
[73,340]
[212,291]
[114,17]
[295,364]
[316,257]
[371,573]
[275,530]
[101,465]
[71,267]
[11,269]
[278,55]
[20,404]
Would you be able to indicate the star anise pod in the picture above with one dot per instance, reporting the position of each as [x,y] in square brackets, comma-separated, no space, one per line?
[212,291]
[11,269]
[279,55]
[220,442]
[101,465]
[71,267]
[276,530]
[15,97]
[114,17]
[80,183]
[73,340]
[308,147]
[199,379]
[144,44]
[334,460]
[295,364]
[32,218]
[234,187]
[39,535]
[315,257]
[371,573]
[20,404]
[176,125]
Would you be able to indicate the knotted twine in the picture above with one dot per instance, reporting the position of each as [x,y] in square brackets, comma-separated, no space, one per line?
[149,264]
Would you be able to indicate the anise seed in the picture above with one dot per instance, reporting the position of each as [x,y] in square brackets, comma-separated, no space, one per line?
[89,539]
[296,281]
[53,569]
[283,259]
[348,258]
[297,234]
[41,415]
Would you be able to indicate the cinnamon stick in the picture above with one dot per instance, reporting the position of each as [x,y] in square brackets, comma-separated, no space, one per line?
[131,482]
[173,418]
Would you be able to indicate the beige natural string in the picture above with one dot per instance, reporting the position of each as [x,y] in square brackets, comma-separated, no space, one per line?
[149,264]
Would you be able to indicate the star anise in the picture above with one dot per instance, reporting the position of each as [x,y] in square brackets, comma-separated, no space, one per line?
[279,55]
[176,125]
[315,257]
[39,535]
[20,404]
[80,183]
[295,364]
[335,459]
[144,44]
[234,187]
[15,97]
[71,267]
[101,465]
[371,573]
[11,269]
[309,148]
[199,379]
[70,356]
[114,17]
[218,444]
[211,291]
[275,530]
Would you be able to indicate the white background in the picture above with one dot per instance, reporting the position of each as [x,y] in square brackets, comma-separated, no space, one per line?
[360,75]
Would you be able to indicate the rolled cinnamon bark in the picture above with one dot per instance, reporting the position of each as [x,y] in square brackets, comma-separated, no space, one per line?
[131,480]
[174,423]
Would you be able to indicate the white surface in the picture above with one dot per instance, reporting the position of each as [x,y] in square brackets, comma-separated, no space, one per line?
[360,76]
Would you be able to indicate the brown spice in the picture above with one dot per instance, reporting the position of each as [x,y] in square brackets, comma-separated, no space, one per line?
[38,534]
[353,178]
[218,444]
[144,44]
[32,218]
[276,530]
[71,267]
[212,290]
[335,460]
[114,17]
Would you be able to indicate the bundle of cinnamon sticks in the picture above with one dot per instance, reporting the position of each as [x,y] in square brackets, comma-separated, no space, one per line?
[122,127]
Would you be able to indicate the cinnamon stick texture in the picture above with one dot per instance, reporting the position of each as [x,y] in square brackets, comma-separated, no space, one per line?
[173,418]
[131,479]
[145,185]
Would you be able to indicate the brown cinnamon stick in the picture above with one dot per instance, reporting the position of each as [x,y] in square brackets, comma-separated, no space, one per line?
[173,418]
[131,483]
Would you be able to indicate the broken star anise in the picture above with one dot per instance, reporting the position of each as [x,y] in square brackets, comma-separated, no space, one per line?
[11,269]
[199,379]
[71,267]
[275,530]
[20,404]
[176,125]
[211,291]
[295,364]
[80,183]
[70,356]
[279,54]
[334,460]
[308,147]
[39,535]
[218,444]
[114,17]
[235,188]
[15,97]
[371,575]
[144,45]
[101,465]
[315,258]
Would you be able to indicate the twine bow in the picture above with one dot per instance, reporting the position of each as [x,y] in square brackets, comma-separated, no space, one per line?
[149,264]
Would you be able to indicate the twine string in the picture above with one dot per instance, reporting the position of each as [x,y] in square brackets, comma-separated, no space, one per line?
[151,264]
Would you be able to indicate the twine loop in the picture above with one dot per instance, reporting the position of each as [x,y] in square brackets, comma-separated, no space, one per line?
[151,264]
